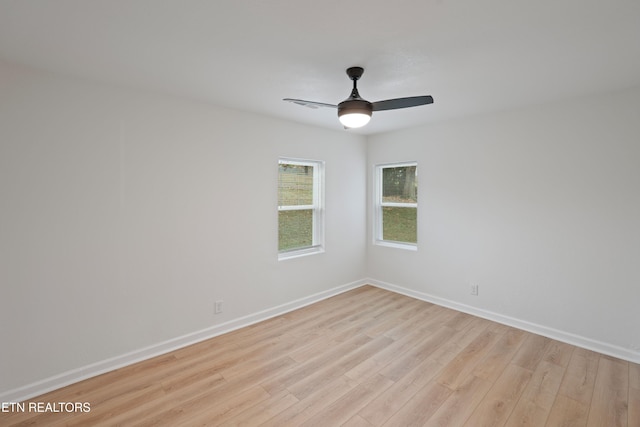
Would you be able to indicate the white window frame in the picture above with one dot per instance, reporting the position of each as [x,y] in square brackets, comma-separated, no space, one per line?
[379,204]
[317,208]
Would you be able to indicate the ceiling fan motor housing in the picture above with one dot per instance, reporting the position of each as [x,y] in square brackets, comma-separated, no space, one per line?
[354,106]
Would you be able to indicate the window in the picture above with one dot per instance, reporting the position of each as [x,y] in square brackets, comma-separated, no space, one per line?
[396,210]
[300,211]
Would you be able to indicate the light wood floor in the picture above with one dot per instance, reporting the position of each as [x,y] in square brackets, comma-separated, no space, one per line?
[367,357]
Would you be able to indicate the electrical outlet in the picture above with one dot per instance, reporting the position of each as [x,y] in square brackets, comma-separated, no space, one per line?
[474,289]
[218,307]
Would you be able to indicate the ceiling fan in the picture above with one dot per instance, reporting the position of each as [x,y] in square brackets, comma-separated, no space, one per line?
[355,112]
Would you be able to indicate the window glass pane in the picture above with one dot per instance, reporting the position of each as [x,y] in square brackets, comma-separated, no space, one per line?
[295,185]
[399,224]
[295,229]
[399,184]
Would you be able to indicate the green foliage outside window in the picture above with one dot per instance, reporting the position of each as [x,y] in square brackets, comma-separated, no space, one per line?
[295,188]
[295,229]
[295,185]
[399,186]
[399,224]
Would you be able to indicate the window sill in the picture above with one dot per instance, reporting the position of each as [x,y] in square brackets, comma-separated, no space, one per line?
[297,253]
[397,245]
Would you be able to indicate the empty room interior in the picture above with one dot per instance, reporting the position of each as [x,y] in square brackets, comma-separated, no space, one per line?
[192,233]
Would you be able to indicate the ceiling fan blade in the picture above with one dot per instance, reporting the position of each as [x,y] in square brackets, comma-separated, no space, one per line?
[394,104]
[310,104]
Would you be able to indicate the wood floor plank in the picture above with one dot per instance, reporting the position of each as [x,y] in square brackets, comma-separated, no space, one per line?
[610,396]
[535,404]
[459,321]
[363,358]
[424,320]
[459,406]
[459,340]
[385,356]
[580,377]
[567,412]
[634,407]
[331,371]
[634,375]
[499,328]
[383,407]
[357,421]
[500,354]
[361,321]
[249,361]
[263,411]
[531,351]
[343,409]
[496,407]
[412,358]
[210,410]
[410,309]
[634,394]
[310,406]
[558,353]
[303,370]
[341,328]
[421,406]
[409,339]
[455,372]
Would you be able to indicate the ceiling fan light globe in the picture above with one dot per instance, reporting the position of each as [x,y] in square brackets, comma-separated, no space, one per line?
[354,120]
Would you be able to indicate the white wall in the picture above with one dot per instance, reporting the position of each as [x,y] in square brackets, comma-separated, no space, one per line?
[540,207]
[125,215]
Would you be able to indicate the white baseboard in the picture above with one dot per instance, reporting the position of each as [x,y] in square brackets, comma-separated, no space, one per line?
[569,338]
[52,383]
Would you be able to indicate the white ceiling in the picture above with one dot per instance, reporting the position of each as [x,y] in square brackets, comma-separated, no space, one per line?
[471,56]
